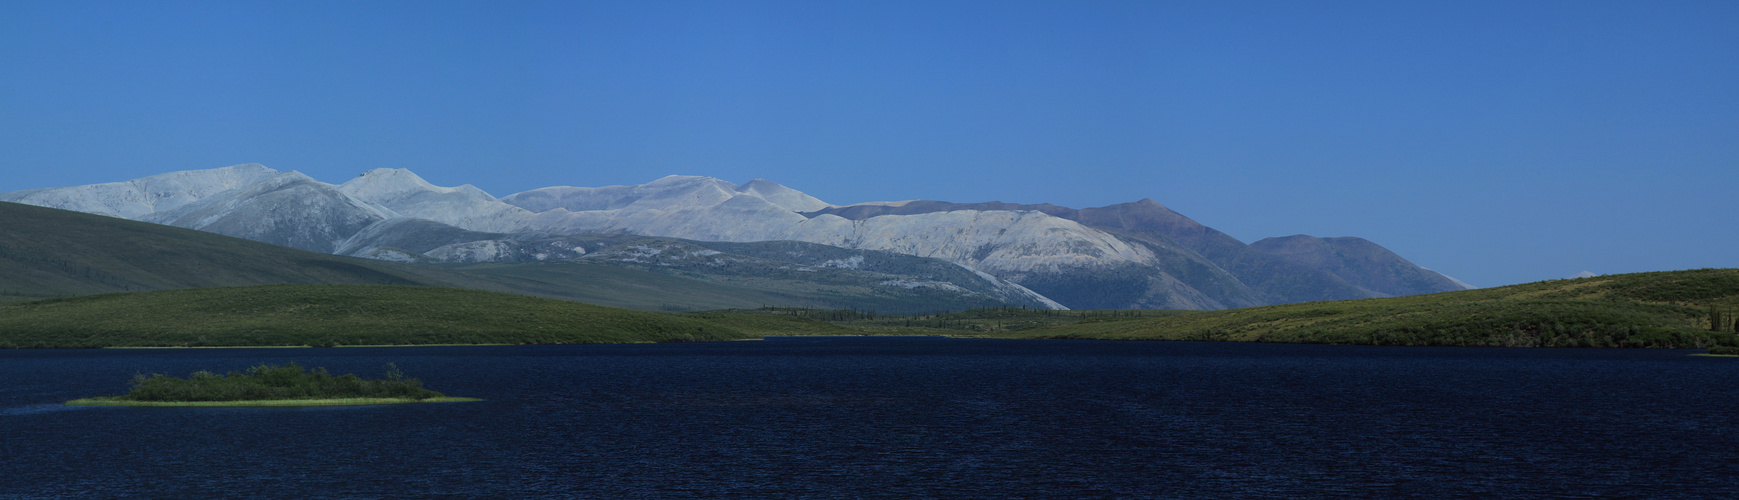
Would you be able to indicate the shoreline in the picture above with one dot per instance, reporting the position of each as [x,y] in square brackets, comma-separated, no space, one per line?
[268,402]
[897,335]
[285,346]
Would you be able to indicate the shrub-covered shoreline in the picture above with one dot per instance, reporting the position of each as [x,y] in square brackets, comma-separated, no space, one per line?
[269,385]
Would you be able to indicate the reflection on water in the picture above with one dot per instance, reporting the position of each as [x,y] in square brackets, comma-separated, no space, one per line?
[41,408]
[898,418]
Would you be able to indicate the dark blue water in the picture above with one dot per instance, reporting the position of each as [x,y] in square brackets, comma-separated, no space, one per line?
[899,418]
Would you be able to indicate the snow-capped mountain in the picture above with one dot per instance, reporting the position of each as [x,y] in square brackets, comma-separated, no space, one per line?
[464,207]
[285,208]
[140,197]
[1130,255]
[707,209]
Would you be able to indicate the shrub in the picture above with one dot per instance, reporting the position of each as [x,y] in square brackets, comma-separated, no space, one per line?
[268,382]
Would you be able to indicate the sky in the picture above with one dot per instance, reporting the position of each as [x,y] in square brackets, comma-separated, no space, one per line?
[1495,142]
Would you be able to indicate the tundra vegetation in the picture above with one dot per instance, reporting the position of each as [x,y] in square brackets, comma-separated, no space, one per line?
[1673,309]
[333,315]
[271,385]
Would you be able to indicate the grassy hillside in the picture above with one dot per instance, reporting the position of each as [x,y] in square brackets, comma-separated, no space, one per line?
[1677,309]
[992,322]
[46,252]
[294,315]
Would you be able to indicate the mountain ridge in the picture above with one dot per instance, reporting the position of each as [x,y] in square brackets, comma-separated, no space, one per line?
[50,253]
[1132,255]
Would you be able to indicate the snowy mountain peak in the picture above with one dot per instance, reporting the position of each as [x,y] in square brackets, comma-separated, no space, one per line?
[1138,254]
[784,197]
[146,195]
[408,194]
[386,183]
[667,193]
[389,183]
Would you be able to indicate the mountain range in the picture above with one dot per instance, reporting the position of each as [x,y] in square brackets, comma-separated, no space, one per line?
[1131,255]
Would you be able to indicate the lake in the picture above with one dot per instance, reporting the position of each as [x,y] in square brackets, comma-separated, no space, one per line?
[856,417]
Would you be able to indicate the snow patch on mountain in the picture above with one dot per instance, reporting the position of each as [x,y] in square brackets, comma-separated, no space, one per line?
[852,262]
[393,255]
[1018,291]
[660,254]
[910,284]
[1465,286]
[140,197]
[784,197]
[395,214]
[285,208]
[707,209]
[472,251]
[465,206]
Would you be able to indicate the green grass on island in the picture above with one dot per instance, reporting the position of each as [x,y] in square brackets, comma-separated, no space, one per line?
[268,385]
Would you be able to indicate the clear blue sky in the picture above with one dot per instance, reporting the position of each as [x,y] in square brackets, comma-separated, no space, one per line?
[1497,142]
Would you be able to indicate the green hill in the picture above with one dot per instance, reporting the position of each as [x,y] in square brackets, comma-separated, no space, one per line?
[296,315]
[1676,309]
[46,252]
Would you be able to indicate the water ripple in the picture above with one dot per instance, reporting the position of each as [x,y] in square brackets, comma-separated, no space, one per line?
[901,418]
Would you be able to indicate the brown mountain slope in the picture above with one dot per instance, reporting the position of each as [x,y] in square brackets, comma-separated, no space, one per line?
[1212,264]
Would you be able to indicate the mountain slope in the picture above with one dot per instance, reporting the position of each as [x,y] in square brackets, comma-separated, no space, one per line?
[881,281]
[287,208]
[906,268]
[1033,250]
[1212,263]
[140,197]
[1359,262]
[47,252]
[1132,255]
[1674,309]
[422,240]
[50,253]
[465,207]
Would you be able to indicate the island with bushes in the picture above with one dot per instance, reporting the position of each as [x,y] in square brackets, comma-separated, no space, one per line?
[269,385]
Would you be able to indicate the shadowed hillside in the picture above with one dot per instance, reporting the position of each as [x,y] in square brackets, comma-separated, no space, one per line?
[46,252]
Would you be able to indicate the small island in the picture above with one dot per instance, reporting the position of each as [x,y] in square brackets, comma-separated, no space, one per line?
[269,385]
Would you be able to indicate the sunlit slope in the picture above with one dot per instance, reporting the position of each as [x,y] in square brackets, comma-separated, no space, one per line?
[295,315]
[1662,309]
